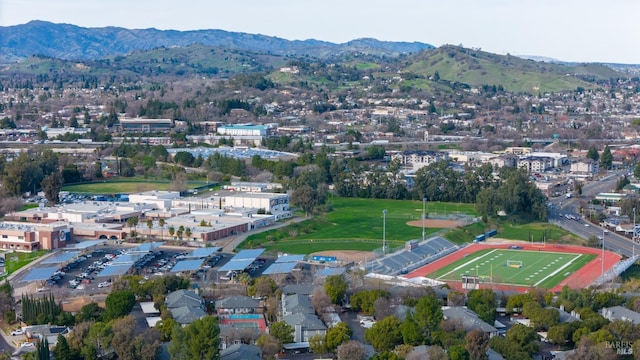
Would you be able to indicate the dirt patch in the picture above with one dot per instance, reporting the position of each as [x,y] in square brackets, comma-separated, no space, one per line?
[436,223]
[347,255]
[75,305]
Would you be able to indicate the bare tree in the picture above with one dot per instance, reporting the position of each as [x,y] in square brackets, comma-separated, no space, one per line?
[351,350]
[320,301]
[382,308]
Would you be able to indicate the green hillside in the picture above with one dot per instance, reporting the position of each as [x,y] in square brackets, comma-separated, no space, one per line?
[477,68]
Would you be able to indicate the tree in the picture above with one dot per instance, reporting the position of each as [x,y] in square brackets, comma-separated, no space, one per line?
[384,335]
[282,332]
[132,222]
[269,345]
[382,308]
[335,287]
[318,344]
[51,186]
[198,340]
[42,350]
[351,350]
[262,287]
[62,349]
[161,223]
[411,333]
[131,345]
[524,337]
[636,171]
[337,335]
[187,233]
[150,226]
[477,345]
[606,160]
[428,313]
[89,312]
[592,153]
[119,303]
[483,302]
[306,198]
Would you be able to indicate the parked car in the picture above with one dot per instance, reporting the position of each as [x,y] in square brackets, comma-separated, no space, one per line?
[104,284]
[17,332]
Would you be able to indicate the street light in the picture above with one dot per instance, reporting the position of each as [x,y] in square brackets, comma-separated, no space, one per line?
[384,231]
[424,215]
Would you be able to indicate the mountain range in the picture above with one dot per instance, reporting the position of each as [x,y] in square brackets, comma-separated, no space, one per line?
[71,42]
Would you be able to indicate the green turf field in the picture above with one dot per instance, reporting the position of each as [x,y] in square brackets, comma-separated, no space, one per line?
[355,224]
[539,269]
[122,186]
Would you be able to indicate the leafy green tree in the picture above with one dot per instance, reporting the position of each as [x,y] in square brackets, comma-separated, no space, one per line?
[282,332]
[335,287]
[411,333]
[89,312]
[198,340]
[119,303]
[385,334]
[458,352]
[483,302]
[337,335]
[428,313]
[42,350]
[269,345]
[636,171]
[524,337]
[318,344]
[363,300]
[262,286]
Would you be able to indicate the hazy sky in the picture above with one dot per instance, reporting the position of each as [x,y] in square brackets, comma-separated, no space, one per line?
[570,30]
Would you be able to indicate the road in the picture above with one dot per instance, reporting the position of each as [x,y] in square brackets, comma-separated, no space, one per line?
[560,206]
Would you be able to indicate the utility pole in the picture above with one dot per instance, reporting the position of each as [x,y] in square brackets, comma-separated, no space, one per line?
[603,234]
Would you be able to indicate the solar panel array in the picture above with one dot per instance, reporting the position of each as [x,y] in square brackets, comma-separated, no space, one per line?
[187,265]
[290,258]
[127,259]
[242,260]
[391,264]
[40,274]
[115,270]
[202,252]
[86,244]
[145,248]
[329,271]
[61,257]
[280,268]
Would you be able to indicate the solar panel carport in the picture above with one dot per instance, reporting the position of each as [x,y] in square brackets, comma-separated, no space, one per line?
[61,257]
[202,252]
[115,270]
[40,274]
[290,258]
[242,260]
[280,268]
[187,265]
[86,244]
[145,248]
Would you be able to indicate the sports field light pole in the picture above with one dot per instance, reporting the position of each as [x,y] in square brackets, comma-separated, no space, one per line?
[384,231]
[424,215]
[603,257]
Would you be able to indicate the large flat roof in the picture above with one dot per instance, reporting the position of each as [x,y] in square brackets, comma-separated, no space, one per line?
[280,268]
[115,270]
[145,248]
[202,252]
[85,244]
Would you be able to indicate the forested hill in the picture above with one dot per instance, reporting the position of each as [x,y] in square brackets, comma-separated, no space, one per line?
[70,42]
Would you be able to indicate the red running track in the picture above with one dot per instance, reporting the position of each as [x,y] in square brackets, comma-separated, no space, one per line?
[581,278]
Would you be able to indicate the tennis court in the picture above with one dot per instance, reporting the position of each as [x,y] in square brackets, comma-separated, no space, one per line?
[514,267]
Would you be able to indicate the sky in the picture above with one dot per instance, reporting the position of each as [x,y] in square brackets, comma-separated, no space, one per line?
[568,30]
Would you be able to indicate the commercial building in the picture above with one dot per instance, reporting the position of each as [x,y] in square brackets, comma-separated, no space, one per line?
[143,125]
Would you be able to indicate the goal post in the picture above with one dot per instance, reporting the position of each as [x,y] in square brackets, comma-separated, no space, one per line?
[516,264]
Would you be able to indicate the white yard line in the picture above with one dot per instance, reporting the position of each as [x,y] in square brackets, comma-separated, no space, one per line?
[557,270]
[467,263]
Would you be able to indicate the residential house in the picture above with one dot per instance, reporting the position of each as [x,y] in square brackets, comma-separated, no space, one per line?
[585,167]
[185,306]
[238,305]
[241,352]
[469,320]
[620,313]
[305,326]
[295,304]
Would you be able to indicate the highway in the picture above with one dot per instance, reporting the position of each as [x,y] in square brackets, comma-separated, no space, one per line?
[561,206]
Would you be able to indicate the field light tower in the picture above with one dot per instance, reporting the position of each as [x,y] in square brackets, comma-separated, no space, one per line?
[424,215]
[384,231]
[603,234]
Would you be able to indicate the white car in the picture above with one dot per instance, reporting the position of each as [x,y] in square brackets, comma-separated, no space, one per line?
[17,332]
[81,287]
[104,284]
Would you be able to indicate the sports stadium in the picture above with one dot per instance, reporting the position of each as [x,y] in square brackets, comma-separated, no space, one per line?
[520,267]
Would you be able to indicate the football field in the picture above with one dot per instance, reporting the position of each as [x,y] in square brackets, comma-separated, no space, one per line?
[514,267]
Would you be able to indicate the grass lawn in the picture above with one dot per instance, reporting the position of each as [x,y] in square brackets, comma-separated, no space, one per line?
[15,261]
[539,269]
[122,187]
[354,224]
